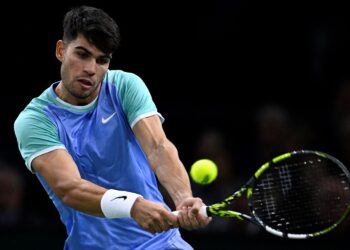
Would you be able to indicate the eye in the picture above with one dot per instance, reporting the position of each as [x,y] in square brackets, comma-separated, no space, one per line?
[82,54]
[103,60]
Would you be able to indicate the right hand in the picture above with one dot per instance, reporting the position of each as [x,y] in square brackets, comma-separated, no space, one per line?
[153,216]
[189,216]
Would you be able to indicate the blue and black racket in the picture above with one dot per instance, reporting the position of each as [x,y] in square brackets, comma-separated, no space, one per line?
[296,195]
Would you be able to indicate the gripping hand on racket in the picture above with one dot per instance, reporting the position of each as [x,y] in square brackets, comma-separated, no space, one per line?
[188,214]
[153,216]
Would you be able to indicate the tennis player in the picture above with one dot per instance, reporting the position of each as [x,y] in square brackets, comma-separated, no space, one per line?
[95,141]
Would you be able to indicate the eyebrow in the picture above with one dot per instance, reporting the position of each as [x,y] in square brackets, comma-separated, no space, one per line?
[89,52]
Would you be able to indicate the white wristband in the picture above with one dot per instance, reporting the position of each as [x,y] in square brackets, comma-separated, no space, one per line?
[117,204]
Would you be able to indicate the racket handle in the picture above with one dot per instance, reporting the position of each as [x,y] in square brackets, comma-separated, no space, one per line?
[202,211]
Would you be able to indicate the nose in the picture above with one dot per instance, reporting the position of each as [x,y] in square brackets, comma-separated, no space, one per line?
[90,66]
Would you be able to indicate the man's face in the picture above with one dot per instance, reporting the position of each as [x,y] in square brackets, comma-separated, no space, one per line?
[82,70]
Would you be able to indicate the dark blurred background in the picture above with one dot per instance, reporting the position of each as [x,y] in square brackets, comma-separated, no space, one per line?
[237,81]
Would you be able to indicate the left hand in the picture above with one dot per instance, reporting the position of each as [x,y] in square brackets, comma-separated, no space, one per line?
[189,217]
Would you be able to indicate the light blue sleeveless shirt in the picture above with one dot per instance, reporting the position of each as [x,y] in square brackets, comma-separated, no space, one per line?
[100,139]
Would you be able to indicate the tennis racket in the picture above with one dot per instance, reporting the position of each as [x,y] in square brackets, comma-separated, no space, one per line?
[297,195]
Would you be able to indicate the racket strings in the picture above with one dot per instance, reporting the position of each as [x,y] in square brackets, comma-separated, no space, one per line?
[304,196]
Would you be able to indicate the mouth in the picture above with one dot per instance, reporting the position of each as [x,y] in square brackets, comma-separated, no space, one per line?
[85,83]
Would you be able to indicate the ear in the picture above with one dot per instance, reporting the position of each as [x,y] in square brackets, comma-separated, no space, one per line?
[60,50]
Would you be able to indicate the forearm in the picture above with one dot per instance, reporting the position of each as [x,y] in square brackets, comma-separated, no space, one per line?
[170,171]
[82,195]
[172,175]
[92,199]
[62,175]
[163,158]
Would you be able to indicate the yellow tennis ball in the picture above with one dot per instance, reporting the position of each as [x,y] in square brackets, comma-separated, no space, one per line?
[204,171]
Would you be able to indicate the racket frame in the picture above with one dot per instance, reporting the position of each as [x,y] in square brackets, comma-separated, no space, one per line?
[218,209]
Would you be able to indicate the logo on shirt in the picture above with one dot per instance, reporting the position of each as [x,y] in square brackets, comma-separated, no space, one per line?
[105,120]
[119,197]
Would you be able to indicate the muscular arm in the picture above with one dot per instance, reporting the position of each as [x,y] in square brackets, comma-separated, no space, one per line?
[62,175]
[163,158]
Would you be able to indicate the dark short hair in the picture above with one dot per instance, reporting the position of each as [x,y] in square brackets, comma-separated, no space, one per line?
[95,25]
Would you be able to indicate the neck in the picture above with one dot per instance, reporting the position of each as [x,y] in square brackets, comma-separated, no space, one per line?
[67,97]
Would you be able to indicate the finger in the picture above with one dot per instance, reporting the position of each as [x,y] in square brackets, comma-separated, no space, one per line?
[172,224]
[172,219]
[181,217]
[165,225]
[156,224]
[158,228]
[194,219]
[151,229]
[194,203]
[164,221]
[185,219]
[203,221]
[197,205]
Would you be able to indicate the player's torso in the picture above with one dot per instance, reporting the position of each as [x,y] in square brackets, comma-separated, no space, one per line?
[102,143]
[106,152]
